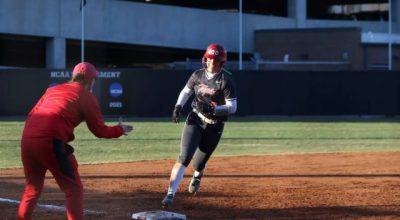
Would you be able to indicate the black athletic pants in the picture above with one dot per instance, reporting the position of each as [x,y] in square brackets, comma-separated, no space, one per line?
[199,141]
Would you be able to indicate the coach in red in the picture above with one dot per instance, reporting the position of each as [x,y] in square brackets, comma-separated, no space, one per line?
[48,129]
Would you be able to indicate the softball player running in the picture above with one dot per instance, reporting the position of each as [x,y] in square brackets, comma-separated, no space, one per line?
[48,129]
[215,100]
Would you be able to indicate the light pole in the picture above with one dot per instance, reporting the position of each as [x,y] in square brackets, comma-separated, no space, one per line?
[240,34]
[83,2]
[390,35]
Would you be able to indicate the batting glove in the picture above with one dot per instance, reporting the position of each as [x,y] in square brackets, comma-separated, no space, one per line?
[205,108]
[176,113]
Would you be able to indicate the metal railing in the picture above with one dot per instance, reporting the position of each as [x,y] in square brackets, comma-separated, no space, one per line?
[270,65]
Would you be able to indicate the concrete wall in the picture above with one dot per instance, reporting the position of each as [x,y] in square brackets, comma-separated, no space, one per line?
[312,45]
[145,24]
[376,56]
[324,44]
[132,23]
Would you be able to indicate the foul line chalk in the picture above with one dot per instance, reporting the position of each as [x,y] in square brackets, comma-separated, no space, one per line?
[52,207]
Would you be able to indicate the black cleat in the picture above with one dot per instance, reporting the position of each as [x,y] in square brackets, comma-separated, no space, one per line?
[194,185]
[167,201]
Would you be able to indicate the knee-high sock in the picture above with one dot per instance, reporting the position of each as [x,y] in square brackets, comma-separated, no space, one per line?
[176,177]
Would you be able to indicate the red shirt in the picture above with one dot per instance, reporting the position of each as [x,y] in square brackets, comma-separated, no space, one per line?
[62,108]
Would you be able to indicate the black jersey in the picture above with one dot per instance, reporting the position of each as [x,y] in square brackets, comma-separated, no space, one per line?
[213,91]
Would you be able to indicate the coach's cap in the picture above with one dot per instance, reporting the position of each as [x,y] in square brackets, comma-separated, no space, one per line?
[86,69]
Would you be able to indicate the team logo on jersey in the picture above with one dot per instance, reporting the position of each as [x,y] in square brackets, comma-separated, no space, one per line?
[115,89]
[204,90]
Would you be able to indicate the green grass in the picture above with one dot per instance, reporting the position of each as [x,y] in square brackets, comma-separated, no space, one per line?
[155,139]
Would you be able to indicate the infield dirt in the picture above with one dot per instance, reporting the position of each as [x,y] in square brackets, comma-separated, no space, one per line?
[308,186]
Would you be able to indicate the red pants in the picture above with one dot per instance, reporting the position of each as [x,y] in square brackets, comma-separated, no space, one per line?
[38,156]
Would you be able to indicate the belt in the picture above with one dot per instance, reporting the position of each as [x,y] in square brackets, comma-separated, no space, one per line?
[204,118]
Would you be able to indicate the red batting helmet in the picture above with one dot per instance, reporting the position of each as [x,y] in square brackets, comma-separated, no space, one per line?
[216,52]
[86,69]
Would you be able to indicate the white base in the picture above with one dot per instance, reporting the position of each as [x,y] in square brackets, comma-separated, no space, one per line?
[158,215]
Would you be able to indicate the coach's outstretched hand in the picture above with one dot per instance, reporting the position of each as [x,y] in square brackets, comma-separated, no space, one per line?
[176,113]
[125,127]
